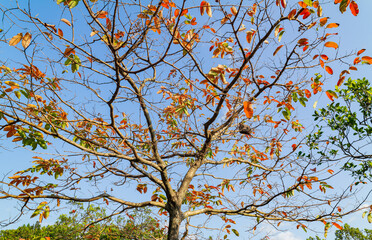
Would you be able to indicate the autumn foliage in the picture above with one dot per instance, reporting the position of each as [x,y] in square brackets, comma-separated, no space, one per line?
[147,102]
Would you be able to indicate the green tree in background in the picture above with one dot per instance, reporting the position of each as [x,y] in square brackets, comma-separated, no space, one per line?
[349,117]
[78,225]
[349,233]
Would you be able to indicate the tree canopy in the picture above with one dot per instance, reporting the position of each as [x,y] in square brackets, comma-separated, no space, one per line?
[192,108]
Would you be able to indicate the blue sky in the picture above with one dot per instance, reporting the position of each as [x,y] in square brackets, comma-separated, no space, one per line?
[354,33]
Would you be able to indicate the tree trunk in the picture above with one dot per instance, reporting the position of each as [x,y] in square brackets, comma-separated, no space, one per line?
[175,219]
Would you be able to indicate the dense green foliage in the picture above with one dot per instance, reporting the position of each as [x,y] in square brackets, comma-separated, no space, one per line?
[76,225]
[349,117]
[350,233]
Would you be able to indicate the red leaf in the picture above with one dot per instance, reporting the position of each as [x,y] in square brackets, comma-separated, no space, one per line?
[329,70]
[325,57]
[354,8]
[248,109]
[292,14]
[305,13]
[360,51]
[284,3]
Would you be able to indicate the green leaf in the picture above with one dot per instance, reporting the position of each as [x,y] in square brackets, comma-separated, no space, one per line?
[235,232]
[343,5]
[73,3]
[18,94]
[369,218]
[286,114]
[37,212]
[280,35]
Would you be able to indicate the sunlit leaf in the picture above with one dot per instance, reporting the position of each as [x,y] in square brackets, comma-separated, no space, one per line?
[333,25]
[331,45]
[360,51]
[16,39]
[367,59]
[277,50]
[26,40]
[66,21]
[329,70]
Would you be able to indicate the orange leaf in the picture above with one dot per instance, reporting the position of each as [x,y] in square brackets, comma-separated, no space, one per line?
[354,8]
[340,81]
[367,59]
[249,36]
[277,50]
[330,171]
[338,1]
[329,70]
[323,21]
[248,109]
[68,52]
[337,226]
[205,6]
[101,14]
[321,63]
[60,33]
[329,96]
[360,51]
[292,14]
[302,4]
[331,45]
[353,68]
[357,60]
[66,21]
[176,12]
[333,25]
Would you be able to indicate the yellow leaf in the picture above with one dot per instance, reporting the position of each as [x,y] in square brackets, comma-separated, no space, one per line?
[16,39]
[26,40]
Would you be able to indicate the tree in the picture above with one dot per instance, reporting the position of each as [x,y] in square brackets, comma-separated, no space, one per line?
[191,103]
[349,233]
[349,119]
[77,225]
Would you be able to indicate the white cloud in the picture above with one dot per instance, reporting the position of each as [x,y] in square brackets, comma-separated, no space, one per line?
[285,236]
